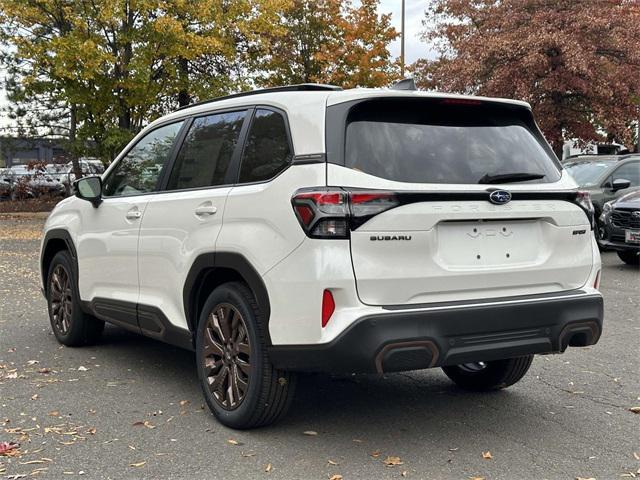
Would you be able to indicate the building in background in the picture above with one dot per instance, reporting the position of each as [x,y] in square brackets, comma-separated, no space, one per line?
[21,151]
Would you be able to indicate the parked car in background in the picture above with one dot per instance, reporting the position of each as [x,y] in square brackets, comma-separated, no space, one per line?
[64,174]
[620,230]
[5,184]
[605,177]
[30,183]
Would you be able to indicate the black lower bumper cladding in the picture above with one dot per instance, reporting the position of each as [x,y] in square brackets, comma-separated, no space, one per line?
[452,335]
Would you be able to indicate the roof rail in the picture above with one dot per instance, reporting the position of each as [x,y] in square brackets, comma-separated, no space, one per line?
[301,87]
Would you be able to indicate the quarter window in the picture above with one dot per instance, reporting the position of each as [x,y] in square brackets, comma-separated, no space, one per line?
[139,170]
[267,151]
[206,153]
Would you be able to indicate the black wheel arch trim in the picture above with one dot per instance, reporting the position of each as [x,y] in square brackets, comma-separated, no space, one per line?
[229,260]
[57,234]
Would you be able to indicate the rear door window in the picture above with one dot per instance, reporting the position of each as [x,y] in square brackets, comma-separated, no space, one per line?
[206,152]
[444,141]
[267,151]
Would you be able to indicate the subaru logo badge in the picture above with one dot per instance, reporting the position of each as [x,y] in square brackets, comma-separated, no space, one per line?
[499,197]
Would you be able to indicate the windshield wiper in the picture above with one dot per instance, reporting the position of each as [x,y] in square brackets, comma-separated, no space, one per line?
[510,177]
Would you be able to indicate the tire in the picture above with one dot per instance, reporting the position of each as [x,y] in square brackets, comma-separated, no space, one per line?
[487,376]
[71,326]
[630,257]
[252,393]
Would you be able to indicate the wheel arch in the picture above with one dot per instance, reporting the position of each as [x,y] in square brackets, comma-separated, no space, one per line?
[210,270]
[56,240]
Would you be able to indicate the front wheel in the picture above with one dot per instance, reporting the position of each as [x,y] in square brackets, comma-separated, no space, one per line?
[241,387]
[71,326]
[630,257]
[485,376]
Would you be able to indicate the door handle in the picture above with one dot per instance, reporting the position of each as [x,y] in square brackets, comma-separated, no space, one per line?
[134,214]
[205,210]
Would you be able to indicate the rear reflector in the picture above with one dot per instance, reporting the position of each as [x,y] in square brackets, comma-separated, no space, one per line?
[596,282]
[328,307]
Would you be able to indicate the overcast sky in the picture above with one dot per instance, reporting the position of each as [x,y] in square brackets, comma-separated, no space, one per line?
[414,48]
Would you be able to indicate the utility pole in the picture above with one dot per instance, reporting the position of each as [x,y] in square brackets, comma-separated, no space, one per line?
[402,42]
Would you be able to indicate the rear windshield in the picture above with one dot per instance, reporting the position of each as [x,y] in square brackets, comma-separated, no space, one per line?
[443,141]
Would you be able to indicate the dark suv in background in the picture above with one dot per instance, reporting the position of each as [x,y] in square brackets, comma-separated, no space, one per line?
[620,227]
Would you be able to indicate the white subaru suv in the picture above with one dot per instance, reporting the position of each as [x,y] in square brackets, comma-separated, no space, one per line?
[309,228]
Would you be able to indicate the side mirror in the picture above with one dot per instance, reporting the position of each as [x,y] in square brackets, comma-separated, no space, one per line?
[620,184]
[89,189]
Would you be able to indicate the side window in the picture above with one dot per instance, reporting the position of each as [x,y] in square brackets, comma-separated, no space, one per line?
[629,171]
[267,151]
[206,153]
[138,171]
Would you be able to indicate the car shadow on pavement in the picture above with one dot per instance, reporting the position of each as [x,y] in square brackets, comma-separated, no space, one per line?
[353,405]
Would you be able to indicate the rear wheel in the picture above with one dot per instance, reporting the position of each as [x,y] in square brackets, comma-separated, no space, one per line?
[630,257]
[241,387]
[71,326]
[484,376]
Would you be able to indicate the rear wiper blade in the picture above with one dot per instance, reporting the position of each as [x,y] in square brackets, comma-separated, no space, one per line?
[510,177]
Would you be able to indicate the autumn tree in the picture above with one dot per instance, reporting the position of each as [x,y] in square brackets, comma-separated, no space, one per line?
[332,41]
[576,62]
[111,66]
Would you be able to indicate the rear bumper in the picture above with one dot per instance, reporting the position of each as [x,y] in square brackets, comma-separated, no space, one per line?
[453,334]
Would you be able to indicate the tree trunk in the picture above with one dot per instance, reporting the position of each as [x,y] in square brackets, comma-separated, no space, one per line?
[183,95]
[73,120]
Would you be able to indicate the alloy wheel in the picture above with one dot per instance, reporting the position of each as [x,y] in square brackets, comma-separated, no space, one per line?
[61,299]
[226,356]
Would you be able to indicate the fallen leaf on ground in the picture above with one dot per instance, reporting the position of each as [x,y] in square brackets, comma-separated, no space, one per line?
[336,477]
[54,413]
[476,478]
[310,433]
[376,453]
[44,370]
[585,478]
[82,369]
[635,409]
[184,402]
[487,455]
[331,462]
[268,468]
[636,455]
[392,461]
[139,464]
[146,423]
[234,442]
[403,473]
[6,447]
[13,375]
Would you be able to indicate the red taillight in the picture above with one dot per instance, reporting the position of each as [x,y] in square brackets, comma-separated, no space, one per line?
[330,213]
[583,200]
[328,307]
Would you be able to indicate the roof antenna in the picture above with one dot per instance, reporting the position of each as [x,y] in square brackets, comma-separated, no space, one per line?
[406,84]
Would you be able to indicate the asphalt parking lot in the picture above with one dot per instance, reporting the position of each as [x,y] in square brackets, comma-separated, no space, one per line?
[130,407]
